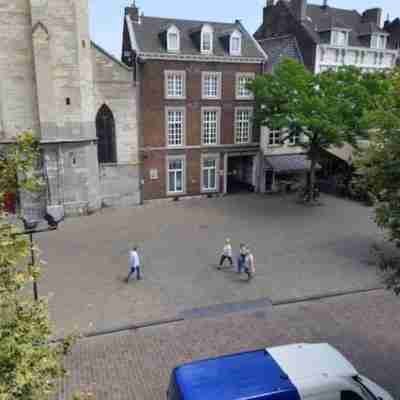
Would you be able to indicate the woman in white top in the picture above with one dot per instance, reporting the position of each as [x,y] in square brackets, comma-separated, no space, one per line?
[250,264]
[226,254]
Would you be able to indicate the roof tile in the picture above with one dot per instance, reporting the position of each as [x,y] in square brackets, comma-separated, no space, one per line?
[148,31]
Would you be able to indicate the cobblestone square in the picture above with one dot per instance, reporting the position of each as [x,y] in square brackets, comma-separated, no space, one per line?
[300,251]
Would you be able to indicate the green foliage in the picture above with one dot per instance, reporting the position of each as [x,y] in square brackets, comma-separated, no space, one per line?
[359,190]
[328,109]
[390,266]
[381,165]
[17,162]
[29,365]
[87,395]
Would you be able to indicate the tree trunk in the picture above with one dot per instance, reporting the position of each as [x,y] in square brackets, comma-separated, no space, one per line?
[312,178]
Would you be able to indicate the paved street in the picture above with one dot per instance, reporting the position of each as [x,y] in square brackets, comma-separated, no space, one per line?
[136,365]
[300,251]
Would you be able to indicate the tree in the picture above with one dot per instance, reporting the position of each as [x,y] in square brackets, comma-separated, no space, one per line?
[326,109]
[380,163]
[29,364]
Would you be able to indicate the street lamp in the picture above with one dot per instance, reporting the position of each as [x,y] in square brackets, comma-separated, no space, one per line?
[54,215]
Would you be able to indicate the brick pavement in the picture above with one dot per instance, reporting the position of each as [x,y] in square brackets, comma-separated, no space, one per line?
[300,251]
[136,365]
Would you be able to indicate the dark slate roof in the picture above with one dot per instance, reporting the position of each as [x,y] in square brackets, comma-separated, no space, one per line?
[149,31]
[278,48]
[289,163]
[321,19]
[368,28]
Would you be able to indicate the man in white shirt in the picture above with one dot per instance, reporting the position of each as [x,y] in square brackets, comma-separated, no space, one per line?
[134,264]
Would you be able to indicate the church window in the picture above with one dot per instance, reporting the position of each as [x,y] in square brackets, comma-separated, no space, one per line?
[105,128]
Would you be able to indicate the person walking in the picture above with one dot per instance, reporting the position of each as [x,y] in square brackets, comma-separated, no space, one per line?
[226,254]
[134,264]
[241,258]
[250,266]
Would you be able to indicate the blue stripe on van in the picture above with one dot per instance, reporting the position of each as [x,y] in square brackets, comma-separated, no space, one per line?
[252,375]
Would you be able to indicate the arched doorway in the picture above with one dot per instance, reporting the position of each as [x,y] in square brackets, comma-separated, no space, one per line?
[105,129]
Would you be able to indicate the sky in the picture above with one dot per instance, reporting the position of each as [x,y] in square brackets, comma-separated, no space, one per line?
[106,16]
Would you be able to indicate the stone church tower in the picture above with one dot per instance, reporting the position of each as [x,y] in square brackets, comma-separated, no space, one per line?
[48,72]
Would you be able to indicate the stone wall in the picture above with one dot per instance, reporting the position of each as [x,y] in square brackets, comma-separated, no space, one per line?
[53,81]
[119,185]
[113,86]
[18,104]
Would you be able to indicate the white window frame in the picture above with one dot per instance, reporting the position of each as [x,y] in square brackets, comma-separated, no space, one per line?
[239,94]
[378,41]
[218,127]
[295,140]
[275,138]
[167,75]
[204,76]
[382,42]
[235,35]
[207,29]
[335,37]
[173,30]
[337,56]
[216,158]
[175,109]
[251,113]
[168,159]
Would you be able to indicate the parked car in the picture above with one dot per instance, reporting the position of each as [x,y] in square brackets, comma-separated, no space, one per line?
[292,372]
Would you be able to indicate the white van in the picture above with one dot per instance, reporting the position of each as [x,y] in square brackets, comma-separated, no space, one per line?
[292,372]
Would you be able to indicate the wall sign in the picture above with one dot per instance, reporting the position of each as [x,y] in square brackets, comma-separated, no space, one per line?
[154,174]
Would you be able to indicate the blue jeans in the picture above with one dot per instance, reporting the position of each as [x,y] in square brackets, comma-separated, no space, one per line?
[241,263]
[132,271]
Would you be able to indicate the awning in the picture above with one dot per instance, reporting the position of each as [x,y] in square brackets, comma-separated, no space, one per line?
[288,163]
[344,153]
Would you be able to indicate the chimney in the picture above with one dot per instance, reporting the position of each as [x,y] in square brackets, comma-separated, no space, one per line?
[133,12]
[267,13]
[299,9]
[373,15]
[387,22]
[325,3]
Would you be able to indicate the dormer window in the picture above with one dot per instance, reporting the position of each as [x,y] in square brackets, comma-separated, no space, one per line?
[340,37]
[207,39]
[173,39]
[236,44]
[378,41]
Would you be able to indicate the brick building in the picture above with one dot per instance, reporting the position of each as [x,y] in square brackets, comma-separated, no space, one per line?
[196,132]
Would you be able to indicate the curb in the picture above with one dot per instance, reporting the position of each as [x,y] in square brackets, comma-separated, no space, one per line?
[124,328]
[324,296]
[289,301]
[132,327]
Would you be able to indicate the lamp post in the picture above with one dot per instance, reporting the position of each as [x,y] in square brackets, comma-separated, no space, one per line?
[35,288]
[37,207]
[30,232]
[54,215]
